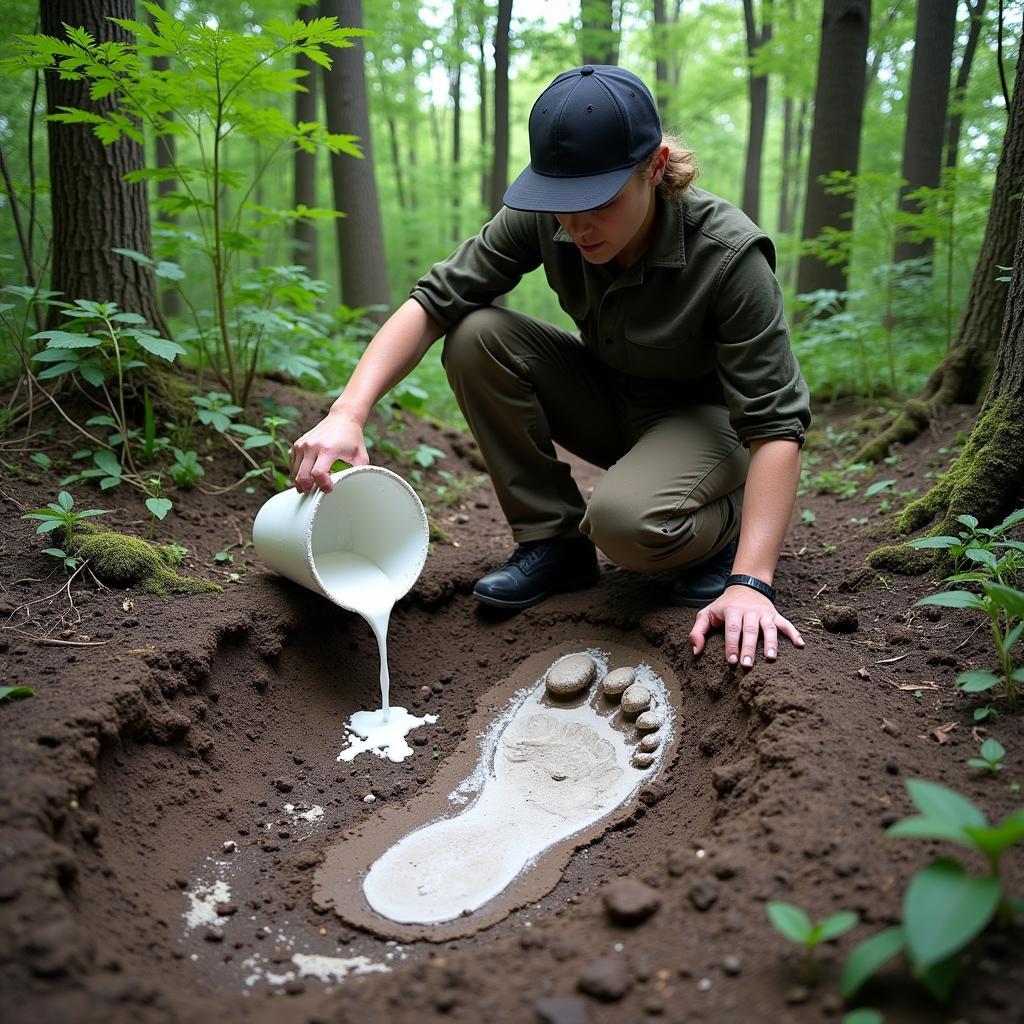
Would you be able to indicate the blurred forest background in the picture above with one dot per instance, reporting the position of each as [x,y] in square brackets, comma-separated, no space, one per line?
[864,137]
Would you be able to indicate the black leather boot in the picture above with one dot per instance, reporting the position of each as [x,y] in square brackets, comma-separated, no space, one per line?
[701,584]
[538,569]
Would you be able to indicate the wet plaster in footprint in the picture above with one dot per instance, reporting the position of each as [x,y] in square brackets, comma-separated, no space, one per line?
[538,776]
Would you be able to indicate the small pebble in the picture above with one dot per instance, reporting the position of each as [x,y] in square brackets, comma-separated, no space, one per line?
[571,675]
[649,721]
[650,742]
[560,1010]
[214,935]
[703,895]
[230,846]
[369,798]
[731,965]
[617,682]
[606,978]
[635,699]
[630,901]
[798,994]
[642,759]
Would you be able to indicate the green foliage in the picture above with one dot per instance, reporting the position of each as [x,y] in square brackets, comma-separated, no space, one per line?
[992,553]
[14,692]
[992,753]
[186,470]
[791,922]
[944,907]
[60,514]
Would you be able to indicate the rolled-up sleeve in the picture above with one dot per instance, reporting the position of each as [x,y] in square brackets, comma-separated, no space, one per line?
[482,268]
[761,379]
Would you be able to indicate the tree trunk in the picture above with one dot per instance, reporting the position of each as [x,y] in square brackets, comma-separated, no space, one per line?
[964,372]
[661,83]
[926,113]
[499,170]
[758,86]
[597,32]
[960,89]
[166,154]
[987,479]
[93,208]
[835,136]
[305,237]
[481,70]
[364,276]
[455,91]
[786,183]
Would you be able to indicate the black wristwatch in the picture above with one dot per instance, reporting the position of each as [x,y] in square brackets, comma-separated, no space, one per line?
[743,580]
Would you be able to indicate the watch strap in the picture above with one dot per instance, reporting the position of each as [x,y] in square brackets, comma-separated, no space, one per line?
[743,580]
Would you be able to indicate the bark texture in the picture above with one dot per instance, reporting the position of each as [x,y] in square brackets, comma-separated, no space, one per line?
[963,75]
[499,168]
[598,38]
[758,89]
[304,183]
[94,210]
[926,112]
[364,277]
[835,136]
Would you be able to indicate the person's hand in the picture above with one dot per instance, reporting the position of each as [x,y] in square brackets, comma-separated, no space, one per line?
[336,436]
[746,615]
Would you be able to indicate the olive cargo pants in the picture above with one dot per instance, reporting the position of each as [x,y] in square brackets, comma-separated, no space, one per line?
[673,493]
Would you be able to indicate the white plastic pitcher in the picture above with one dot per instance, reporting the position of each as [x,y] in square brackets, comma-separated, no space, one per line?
[370,512]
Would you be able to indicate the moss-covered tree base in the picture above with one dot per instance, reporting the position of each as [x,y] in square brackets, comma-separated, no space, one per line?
[986,481]
[900,560]
[913,418]
[119,560]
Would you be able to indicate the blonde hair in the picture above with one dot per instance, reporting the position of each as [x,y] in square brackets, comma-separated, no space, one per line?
[680,171]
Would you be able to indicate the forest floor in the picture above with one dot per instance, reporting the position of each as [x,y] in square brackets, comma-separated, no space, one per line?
[189,723]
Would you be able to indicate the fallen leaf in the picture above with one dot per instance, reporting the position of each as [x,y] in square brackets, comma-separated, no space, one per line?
[889,661]
[127,604]
[942,732]
[70,631]
[978,733]
[863,673]
[926,685]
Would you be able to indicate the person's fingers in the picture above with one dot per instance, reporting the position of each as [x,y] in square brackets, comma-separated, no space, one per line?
[321,470]
[790,630]
[303,480]
[733,633]
[701,627]
[751,631]
[771,638]
[361,457]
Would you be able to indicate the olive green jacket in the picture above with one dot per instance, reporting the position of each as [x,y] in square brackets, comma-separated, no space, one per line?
[701,306]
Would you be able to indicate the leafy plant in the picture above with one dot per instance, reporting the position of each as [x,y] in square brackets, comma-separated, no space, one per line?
[59,514]
[216,409]
[944,907]
[70,561]
[991,553]
[992,753]
[796,926]
[216,84]
[14,692]
[1001,605]
[186,469]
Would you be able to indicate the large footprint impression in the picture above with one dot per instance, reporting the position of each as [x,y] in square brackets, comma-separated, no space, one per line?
[561,751]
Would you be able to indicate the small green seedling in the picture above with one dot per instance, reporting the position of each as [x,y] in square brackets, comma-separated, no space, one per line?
[14,692]
[992,752]
[70,561]
[865,1015]
[944,908]
[808,517]
[59,514]
[985,549]
[796,926]
[980,714]
[186,469]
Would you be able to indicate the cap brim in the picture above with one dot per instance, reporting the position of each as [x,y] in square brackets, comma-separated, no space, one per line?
[548,194]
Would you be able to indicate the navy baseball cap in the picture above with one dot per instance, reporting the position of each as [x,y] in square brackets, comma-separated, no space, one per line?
[589,129]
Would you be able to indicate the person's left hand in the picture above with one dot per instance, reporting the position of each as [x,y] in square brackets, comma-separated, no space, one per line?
[746,614]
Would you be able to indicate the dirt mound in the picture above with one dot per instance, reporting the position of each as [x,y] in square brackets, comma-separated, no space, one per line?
[171,788]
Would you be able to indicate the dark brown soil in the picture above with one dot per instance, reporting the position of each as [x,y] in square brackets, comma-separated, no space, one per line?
[163,728]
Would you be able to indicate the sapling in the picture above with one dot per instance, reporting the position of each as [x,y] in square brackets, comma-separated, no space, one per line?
[59,514]
[796,926]
[991,554]
[992,752]
[944,907]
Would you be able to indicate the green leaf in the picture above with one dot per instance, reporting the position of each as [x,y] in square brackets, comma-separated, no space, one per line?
[169,271]
[159,506]
[969,521]
[836,925]
[954,599]
[55,552]
[995,840]
[1010,599]
[47,527]
[92,372]
[133,254]
[160,347]
[981,555]
[940,978]
[65,501]
[928,828]
[944,908]
[977,681]
[868,956]
[14,692]
[790,921]
[934,542]
[41,459]
[935,801]
[56,371]
[877,487]
[865,1015]
[993,750]
[93,512]
[108,462]
[128,318]
[67,340]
